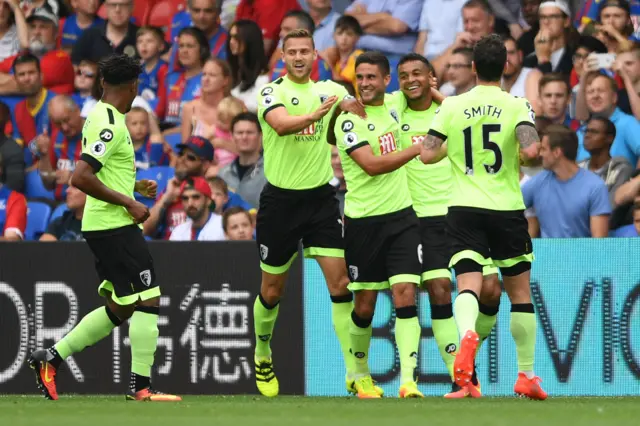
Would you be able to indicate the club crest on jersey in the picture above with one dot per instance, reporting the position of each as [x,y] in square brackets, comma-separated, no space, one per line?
[295,101]
[98,149]
[145,277]
[394,114]
[323,98]
[371,127]
[353,272]
[106,135]
[267,91]
[405,127]
[267,101]
[264,252]
[347,126]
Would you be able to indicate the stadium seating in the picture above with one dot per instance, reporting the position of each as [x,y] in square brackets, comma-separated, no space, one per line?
[162,13]
[173,140]
[37,219]
[58,211]
[34,187]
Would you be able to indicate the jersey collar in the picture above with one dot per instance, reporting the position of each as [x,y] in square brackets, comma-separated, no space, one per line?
[36,108]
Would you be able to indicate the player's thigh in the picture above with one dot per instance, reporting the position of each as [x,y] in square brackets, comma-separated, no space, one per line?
[278,225]
[468,240]
[322,235]
[435,248]
[365,248]
[510,243]
[403,250]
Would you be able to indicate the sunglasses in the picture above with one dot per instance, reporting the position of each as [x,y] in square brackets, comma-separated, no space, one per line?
[190,157]
[87,74]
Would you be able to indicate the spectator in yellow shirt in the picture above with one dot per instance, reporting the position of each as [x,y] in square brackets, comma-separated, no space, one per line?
[346,34]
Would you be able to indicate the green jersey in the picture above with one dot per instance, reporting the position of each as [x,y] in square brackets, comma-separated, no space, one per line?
[107,147]
[429,184]
[303,160]
[480,129]
[371,195]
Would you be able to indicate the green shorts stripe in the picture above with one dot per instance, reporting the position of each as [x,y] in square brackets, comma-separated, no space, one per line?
[489,270]
[507,263]
[472,255]
[436,273]
[404,278]
[384,285]
[107,287]
[278,270]
[323,251]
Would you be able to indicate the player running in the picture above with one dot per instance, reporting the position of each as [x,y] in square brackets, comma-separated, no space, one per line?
[485,221]
[111,227]
[298,203]
[382,242]
[430,186]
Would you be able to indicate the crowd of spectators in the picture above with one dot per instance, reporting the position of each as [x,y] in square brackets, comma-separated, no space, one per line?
[194,128]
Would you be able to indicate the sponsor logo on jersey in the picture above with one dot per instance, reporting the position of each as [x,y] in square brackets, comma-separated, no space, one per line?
[311,130]
[98,149]
[295,101]
[387,143]
[417,139]
[106,135]
[267,91]
[405,127]
[371,127]
[347,126]
[350,139]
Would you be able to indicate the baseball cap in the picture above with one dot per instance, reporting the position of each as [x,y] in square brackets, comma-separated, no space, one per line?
[198,183]
[199,145]
[43,14]
[592,44]
[563,6]
[621,4]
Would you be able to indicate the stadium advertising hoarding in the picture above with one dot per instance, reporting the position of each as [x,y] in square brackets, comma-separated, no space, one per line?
[206,326]
[587,297]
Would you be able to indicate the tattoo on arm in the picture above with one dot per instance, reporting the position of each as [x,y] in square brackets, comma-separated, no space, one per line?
[527,135]
[432,142]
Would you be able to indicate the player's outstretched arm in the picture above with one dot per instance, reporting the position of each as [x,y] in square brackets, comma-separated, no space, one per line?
[433,149]
[529,143]
[374,165]
[285,124]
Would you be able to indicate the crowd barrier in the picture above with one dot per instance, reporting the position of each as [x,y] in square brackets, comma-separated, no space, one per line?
[586,294]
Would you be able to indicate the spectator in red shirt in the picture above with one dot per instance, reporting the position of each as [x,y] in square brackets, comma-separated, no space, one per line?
[13,212]
[268,14]
[57,70]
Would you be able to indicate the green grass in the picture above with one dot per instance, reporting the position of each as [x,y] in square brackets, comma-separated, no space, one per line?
[73,410]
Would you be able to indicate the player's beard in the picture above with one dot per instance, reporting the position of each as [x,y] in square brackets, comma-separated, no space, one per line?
[195,214]
[301,74]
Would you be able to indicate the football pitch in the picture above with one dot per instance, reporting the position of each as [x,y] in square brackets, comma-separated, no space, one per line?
[72,410]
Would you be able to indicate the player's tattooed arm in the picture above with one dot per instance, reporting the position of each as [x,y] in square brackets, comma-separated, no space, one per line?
[529,143]
[433,149]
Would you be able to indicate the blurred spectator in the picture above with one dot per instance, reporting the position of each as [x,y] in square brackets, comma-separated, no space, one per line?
[219,194]
[237,224]
[599,135]
[202,223]
[554,97]
[627,66]
[222,139]
[194,158]
[295,20]
[57,70]
[478,21]
[325,21]
[86,75]
[460,77]
[150,44]
[29,6]
[248,63]
[519,80]
[529,13]
[570,202]
[13,212]
[533,226]
[600,99]
[68,226]
[338,181]
[268,14]
[84,17]
[586,45]
[615,25]
[148,143]
[555,42]
[624,198]
[228,10]
[116,35]
[636,217]
[184,85]
[30,117]
[201,115]
[390,26]
[508,12]
[59,153]
[14,33]
[12,155]
[205,16]
[347,33]
[438,30]
[245,176]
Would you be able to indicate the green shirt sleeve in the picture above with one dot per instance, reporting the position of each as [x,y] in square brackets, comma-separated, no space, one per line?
[351,133]
[270,97]
[440,124]
[335,89]
[99,140]
[524,113]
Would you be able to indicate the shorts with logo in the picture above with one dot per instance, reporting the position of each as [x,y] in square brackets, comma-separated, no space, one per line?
[383,250]
[436,248]
[286,217]
[488,236]
[124,264]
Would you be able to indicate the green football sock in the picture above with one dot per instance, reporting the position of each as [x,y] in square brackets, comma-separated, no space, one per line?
[341,308]
[523,330]
[487,318]
[360,337]
[446,334]
[465,310]
[264,320]
[143,334]
[407,341]
[95,326]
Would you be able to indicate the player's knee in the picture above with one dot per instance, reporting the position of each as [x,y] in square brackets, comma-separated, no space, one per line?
[365,303]
[123,312]
[404,294]
[491,290]
[338,286]
[439,291]
[272,287]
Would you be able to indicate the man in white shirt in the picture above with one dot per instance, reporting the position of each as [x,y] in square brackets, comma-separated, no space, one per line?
[517,79]
[202,223]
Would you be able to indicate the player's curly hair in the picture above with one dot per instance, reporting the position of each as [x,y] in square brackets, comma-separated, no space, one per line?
[119,69]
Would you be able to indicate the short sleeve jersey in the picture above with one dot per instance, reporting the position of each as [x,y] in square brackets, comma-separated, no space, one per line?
[429,184]
[107,147]
[303,160]
[480,129]
[380,131]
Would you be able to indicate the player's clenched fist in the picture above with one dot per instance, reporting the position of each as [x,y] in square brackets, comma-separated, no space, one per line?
[138,211]
[147,188]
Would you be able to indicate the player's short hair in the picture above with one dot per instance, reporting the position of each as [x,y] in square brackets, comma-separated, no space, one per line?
[25,58]
[67,101]
[299,33]
[542,123]
[480,4]
[410,57]
[560,136]
[217,5]
[230,212]
[138,109]
[508,37]
[609,127]
[305,21]
[219,183]
[553,77]
[154,31]
[467,52]
[490,57]
[375,58]
[119,69]
[246,116]
[593,76]
[201,39]
[347,22]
